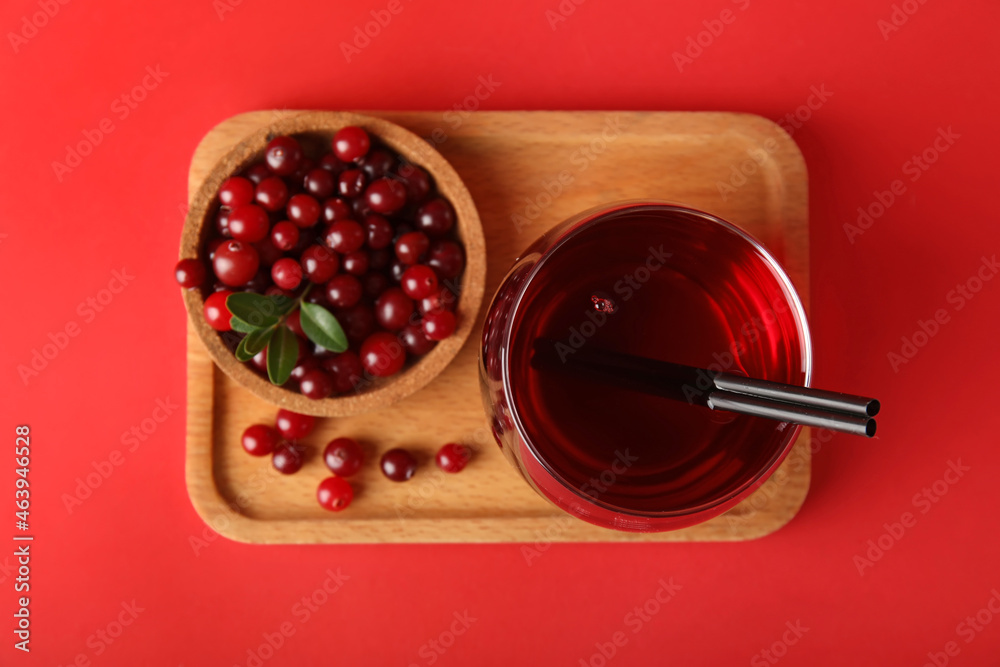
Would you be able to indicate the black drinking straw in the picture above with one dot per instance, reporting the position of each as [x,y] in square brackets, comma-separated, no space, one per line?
[714,390]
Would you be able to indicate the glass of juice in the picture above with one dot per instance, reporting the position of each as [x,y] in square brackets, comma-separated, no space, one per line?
[653,280]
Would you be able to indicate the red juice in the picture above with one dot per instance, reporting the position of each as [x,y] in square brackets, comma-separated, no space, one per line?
[663,284]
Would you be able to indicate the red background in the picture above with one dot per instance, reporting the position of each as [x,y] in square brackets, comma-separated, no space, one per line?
[120,208]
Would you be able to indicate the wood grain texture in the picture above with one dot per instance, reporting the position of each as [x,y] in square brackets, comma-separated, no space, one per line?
[510,162]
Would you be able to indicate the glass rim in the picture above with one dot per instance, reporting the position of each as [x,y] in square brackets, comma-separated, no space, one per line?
[575,225]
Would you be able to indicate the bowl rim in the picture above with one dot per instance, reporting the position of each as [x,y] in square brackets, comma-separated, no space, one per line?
[381,392]
[568,230]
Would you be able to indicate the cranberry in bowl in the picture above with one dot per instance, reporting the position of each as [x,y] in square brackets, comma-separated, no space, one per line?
[332,263]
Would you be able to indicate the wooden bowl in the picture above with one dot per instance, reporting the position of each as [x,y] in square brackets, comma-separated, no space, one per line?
[315,128]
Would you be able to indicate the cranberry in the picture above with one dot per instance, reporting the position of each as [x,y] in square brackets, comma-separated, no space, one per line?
[283,155]
[288,458]
[248,223]
[267,252]
[334,494]
[445,257]
[235,263]
[294,320]
[379,260]
[440,300]
[299,177]
[318,183]
[212,246]
[360,208]
[401,230]
[294,426]
[385,196]
[346,370]
[316,384]
[259,361]
[382,355]
[286,273]
[356,263]
[413,339]
[344,236]
[272,194]
[190,273]
[393,309]
[308,363]
[274,290]
[319,263]
[332,163]
[397,270]
[343,291]
[419,282]
[260,281]
[222,223]
[351,183]
[374,283]
[235,191]
[411,247]
[351,143]
[398,465]
[216,313]
[377,164]
[436,217]
[257,173]
[336,209]
[260,440]
[303,210]
[378,232]
[284,235]
[343,457]
[358,322]
[317,296]
[439,324]
[416,181]
[453,457]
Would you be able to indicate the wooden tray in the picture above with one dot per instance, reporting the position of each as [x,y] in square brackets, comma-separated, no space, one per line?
[526,171]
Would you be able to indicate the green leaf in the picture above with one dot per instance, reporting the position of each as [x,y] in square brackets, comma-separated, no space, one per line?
[241,351]
[283,303]
[322,327]
[253,343]
[241,326]
[256,310]
[281,355]
[258,340]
